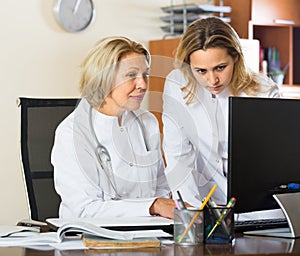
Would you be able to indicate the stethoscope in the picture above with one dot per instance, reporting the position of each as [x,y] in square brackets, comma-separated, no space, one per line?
[103,155]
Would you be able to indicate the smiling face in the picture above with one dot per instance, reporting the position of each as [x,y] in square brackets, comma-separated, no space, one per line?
[130,84]
[212,68]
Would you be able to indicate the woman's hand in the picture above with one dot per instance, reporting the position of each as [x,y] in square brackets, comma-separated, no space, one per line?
[163,207]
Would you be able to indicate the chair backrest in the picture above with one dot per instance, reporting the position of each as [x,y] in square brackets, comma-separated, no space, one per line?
[39,119]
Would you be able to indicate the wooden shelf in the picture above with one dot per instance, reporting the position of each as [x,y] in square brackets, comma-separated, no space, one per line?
[285,38]
[162,62]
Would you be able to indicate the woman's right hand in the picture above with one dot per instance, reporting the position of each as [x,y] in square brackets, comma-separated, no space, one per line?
[163,207]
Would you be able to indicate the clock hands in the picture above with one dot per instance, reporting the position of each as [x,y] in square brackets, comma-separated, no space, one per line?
[75,9]
[74,15]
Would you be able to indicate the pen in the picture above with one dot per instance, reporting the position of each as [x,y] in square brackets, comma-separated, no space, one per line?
[197,213]
[224,213]
[290,186]
[183,219]
[180,201]
[177,204]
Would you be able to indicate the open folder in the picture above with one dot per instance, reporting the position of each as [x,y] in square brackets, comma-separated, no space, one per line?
[290,205]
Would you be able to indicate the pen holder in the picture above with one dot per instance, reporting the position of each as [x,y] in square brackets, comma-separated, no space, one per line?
[218,225]
[188,227]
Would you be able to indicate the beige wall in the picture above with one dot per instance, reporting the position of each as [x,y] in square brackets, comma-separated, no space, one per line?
[39,59]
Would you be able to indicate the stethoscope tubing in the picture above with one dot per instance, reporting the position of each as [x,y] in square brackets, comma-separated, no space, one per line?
[102,151]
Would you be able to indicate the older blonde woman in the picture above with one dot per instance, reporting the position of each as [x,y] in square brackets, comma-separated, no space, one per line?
[106,156]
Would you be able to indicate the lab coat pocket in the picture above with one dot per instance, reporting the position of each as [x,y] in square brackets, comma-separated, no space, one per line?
[148,159]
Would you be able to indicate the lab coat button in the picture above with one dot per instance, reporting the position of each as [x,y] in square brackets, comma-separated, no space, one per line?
[218,160]
[122,129]
[130,164]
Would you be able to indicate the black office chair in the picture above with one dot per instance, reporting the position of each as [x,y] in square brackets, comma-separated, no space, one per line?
[39,119]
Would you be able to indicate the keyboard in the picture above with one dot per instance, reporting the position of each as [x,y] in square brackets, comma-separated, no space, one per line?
[248,225]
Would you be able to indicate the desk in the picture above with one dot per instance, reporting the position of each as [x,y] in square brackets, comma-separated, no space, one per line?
[244,245]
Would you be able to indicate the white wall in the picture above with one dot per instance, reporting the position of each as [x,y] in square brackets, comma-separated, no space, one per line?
[39,59]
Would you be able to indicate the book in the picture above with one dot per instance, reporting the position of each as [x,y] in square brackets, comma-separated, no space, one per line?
[74,232]
[124,223]
[95,242]
[85,228]
[124,251]
[88,228]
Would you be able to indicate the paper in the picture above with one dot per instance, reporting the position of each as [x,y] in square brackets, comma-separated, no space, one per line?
[266,214]
[115,222]
[88,228]
[69,244]
[61,238]
[39,239]
[276,232]
[17,230]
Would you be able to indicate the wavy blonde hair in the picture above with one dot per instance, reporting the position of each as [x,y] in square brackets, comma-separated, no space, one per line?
[208,33]
[100,64]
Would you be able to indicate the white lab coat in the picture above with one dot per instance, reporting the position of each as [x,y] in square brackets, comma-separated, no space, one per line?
[138,174]
[195,139]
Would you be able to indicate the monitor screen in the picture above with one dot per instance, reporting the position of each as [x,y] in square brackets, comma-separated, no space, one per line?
[263,150]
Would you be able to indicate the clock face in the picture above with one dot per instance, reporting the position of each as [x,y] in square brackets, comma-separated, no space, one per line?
[74,15]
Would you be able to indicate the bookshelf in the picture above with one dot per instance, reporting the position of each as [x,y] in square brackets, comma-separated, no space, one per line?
[274,24]
[284,38]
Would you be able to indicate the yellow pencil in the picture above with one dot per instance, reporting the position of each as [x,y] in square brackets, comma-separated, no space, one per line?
[197,213]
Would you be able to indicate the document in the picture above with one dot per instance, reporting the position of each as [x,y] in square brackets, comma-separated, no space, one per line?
[72,232]
[6,230]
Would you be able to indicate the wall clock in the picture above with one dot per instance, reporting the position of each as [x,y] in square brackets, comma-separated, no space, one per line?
[74,15]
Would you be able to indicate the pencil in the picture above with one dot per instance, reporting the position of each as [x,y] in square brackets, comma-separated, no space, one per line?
[222,216]
[197,213]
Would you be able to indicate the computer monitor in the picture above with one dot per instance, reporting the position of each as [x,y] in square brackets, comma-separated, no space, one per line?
[263,150]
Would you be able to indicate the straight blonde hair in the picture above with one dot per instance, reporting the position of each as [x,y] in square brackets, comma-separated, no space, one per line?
[208,33]
[100,64]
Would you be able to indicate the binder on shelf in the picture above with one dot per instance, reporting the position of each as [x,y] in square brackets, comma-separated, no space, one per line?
[202,8]
[179,27]
[190,17]
[181,15]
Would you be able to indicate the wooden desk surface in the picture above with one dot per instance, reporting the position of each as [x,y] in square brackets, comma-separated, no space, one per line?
[247,245]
